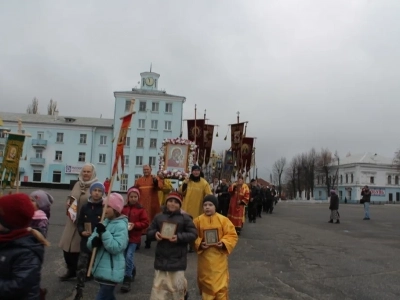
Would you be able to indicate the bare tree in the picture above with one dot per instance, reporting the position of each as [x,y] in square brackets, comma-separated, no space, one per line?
[324,163]
[33,108]
[278,168]
[51,107]
[290,176]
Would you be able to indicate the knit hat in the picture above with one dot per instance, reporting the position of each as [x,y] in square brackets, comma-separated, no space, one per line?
[133,190]
[116,202]
[42,199]
[16,211]
[252,180]
[333,192]
[96,185]
[212,199]
[176,196]
[195,167]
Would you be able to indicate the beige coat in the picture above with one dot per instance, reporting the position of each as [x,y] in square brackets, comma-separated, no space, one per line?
[70,239]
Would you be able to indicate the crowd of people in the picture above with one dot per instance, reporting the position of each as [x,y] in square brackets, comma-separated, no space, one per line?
[198,217]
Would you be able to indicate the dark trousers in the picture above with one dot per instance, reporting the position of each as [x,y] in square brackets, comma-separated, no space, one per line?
[83,262]
[252,211]
[270,206]
[265,205]
[259,209]
[106,292]
[71,259]
[223,206]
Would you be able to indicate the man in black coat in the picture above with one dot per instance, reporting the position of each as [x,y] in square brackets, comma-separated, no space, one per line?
[223,198]
[254,198]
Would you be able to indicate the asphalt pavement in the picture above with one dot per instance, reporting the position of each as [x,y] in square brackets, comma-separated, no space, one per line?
[292,254]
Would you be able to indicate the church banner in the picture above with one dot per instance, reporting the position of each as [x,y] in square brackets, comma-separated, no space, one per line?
[247,153]
[196,135]
[208,139]
[11,157]
[227,169]
[237,131]
[119,151]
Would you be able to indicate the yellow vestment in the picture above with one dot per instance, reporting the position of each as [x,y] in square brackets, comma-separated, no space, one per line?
[193,196]
[167,188]
[212,263]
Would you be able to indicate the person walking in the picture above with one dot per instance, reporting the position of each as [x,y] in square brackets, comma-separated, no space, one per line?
[334,207]
[240,196]
[366,199]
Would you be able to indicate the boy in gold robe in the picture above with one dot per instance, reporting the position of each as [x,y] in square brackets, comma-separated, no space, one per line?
[213,251]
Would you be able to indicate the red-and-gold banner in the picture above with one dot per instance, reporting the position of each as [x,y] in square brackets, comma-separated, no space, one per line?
[196,134]
[237,131]
[247,152]
[208,139]
[119,151]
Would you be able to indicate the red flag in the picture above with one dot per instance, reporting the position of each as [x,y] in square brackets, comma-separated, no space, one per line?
[119,151]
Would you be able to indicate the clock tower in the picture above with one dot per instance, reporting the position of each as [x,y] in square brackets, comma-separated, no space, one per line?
[149,81]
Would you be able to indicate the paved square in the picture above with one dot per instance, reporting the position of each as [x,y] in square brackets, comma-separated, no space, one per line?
[291,254]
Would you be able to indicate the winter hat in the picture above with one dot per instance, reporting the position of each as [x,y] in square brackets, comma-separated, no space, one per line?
[252,180]
[133,190]
[333,192]
[42,199]
[96,185]
[16,211]
[195,167]
[116,202]
[176,196]
[212,199]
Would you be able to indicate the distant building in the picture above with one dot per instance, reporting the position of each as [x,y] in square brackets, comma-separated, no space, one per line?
[356,171]
[60,145]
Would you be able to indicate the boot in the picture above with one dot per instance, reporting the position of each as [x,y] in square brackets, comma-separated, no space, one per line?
[126,285]
[331,221]
[133,274]
[337,222]
[69,275]
[147,245]
[186,296]
[79,293]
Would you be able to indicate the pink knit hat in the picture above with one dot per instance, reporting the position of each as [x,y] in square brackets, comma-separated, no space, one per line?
[115,201]
[133,190]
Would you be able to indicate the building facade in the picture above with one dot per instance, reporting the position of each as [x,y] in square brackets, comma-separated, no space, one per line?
[356,171]
[60,146]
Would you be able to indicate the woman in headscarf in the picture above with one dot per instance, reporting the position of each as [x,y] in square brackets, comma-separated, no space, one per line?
[70,239]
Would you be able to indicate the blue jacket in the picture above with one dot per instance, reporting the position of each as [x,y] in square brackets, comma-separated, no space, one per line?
[109,266]
[20,266]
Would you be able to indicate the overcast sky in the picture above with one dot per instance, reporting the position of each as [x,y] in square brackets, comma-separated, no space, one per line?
[303,73]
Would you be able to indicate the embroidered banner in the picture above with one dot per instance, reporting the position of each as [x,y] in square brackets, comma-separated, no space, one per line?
[247,153]
[11,157]
[196,134]
[208,139]
[236,143]
[119,151]
[227,169]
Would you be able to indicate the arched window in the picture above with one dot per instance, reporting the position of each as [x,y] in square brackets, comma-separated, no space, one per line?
[389,179]
[347,178]
[396,180]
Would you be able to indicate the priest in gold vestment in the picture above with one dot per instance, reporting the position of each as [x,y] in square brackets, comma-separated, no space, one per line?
[212,261]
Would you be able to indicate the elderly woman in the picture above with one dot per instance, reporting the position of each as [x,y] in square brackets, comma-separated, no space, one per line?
[70,239]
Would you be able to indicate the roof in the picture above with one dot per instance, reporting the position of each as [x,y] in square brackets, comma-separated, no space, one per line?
[366,158]
[263,182]
[59,120]
[149,93]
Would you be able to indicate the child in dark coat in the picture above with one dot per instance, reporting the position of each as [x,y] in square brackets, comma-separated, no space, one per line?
[21,249]
[42,202]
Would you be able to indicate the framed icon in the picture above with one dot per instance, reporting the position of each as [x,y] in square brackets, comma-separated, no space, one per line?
[176,157]
[168,230]
[211,237]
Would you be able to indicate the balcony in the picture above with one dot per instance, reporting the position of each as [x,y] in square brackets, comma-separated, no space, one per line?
[3,141]
[36,143]
[37,161]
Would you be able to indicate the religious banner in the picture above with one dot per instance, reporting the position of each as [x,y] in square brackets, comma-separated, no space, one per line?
[196,135]
[12,154]
[237,131]
[208,139]
[247,153]
[119,151]
[227,169]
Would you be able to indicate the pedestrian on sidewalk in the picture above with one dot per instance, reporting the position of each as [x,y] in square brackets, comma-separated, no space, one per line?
[334,207]
[366,199]
[212,261]
[137,222]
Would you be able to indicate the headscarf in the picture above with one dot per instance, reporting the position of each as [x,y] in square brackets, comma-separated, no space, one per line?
[86,184]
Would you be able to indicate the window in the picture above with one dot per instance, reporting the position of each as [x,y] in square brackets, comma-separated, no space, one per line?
[396,180]
[167,125]
[137,176]
[82,139]
[152,160]
[37,175]
[124,182]
[60,137]
[126,160]
[39,153]
[103,139]
[139,160]
[389,179]
[82,156]
[58,155]
[168,107]
[57,176]
[127,105]
[397,196]
[142,123]
[153,143]
[371,179]
[347,178]
[40,135]
[142,106]
[2,134]
[154,106]
[128,141]
[341,179]
[139,142]
[319,194]
[143,82]
[154,124]
[102,158]
[351,178]
[317,179]
[340,195]
[155,83]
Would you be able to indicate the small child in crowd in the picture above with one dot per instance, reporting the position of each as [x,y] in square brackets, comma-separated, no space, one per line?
[21,249]
[171,252]
[137,221]
[212,261]
[42,202]
[89,217]
[111,239]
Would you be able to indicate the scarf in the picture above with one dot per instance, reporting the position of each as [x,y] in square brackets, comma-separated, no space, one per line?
[13,234]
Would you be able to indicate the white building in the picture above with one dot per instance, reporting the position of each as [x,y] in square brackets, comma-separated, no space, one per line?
[356,171]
